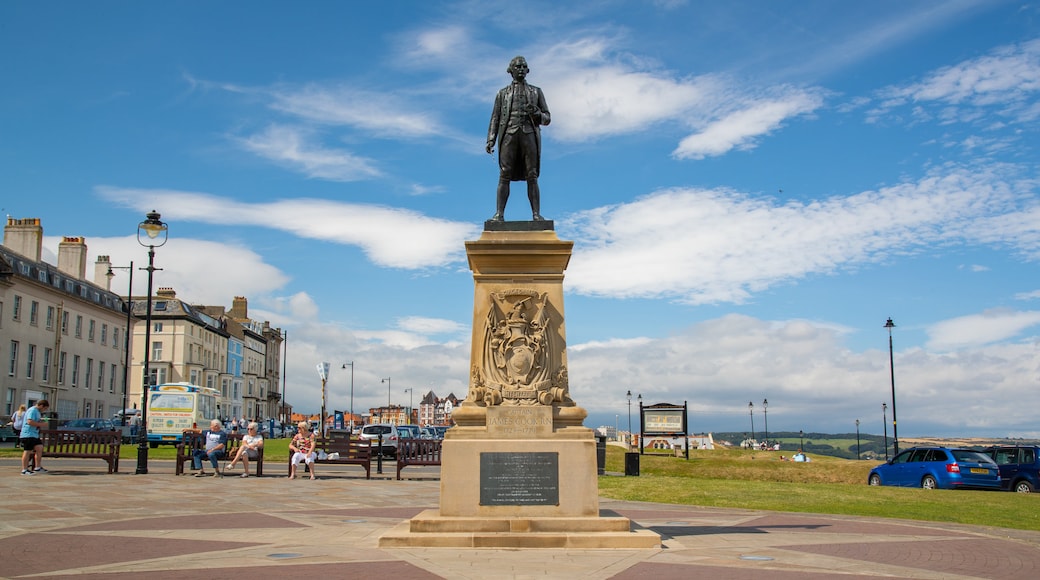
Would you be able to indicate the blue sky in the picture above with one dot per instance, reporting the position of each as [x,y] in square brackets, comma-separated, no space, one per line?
[753,188]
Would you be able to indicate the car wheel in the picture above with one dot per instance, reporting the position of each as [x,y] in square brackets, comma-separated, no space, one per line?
[929,482]
[875,479]
[1024,487]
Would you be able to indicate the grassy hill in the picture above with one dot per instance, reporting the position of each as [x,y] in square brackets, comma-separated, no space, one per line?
[872,447]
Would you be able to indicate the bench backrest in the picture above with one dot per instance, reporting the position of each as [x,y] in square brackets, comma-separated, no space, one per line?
[81,441]
[345,446]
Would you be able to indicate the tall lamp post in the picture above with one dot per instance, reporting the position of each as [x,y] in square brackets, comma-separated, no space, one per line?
[765,415]
[351,364]
[387,381]
[628,396]
[126,336]
[801,440]
[411,400]
[892,366]
[858,456]
[751,413]
[155,235]
[884,426]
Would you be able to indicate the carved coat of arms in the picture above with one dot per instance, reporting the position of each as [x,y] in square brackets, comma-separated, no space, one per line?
[520,361]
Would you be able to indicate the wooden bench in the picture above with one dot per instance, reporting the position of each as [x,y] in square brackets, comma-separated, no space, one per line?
[348,451]
[192,440]
[83,445]
[417,452]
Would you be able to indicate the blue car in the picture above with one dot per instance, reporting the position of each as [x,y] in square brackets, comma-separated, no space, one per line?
[938,468]
[1019,467]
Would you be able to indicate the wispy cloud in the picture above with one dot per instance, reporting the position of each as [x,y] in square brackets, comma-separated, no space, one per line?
[1005,82]
[394,238]
[718,246]
[980,329]
[295,148]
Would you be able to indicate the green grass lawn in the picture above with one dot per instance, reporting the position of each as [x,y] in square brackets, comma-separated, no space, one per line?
[826,485]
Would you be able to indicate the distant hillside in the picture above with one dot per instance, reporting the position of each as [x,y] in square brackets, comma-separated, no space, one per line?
[844,444]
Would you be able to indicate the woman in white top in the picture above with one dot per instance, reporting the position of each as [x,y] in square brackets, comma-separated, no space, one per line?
[252,442]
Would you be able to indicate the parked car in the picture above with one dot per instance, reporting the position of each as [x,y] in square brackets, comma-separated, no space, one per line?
[437,431]
[387,431]
[409,431]
[89,425]
[938,468]
[1019,467]
[7,433]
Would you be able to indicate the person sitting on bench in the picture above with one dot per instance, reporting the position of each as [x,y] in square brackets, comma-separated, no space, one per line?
[216,442]
[252,443]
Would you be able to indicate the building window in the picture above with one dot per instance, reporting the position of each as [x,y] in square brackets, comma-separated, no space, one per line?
[30,360]
[75,370]
[9,403]
[104,335]
[157,350]
[157,327]
[34,313]
[50,317]
[112,379]
[89,375]
[90,330]
[47,364]
[79,326]
[86,408]
[115,338]
[61,368]
[13,367]
[194,377]
[16,313]
[65,323]
[100,376]
[158,376]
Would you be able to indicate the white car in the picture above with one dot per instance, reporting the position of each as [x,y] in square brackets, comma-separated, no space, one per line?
[389,435]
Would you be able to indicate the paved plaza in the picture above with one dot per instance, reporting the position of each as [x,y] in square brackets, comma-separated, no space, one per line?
[79,522]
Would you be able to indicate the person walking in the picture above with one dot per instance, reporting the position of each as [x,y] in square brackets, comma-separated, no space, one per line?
[17,420]
[32,445]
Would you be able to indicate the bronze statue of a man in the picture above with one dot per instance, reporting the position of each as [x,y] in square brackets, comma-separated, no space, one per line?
[516,121]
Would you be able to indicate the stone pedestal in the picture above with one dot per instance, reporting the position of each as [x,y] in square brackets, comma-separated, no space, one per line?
[519,468]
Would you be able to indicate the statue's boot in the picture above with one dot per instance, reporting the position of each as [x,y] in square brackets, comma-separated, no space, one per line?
[501,197]
[535,197]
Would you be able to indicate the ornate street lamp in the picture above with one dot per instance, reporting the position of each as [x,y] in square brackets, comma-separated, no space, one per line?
[411,400]
[156,233]
[892,365]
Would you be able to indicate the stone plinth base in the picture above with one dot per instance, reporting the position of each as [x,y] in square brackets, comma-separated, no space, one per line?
[432,530]
[497,492]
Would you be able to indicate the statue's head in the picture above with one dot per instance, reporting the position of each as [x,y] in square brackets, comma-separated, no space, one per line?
[518,68]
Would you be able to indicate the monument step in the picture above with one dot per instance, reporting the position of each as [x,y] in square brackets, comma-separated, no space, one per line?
[402,537]
[430,521]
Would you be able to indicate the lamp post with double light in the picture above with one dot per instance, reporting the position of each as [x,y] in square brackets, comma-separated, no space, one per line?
[411,400]
[351,364]
[126,335]
[387,381]
[323,372]
[155,234]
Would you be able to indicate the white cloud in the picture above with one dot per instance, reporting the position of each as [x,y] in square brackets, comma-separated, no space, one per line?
[380,114]
[738,130]
[390,237]
[980,329]
[1035,294]
[207,282]
[1006,82]
[297,149]
[426,326]
[713,246]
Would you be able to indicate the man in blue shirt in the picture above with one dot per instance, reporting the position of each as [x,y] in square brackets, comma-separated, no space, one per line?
[216,443]
[32,445]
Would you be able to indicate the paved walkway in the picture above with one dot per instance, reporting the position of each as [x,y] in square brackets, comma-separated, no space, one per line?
[80,522]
